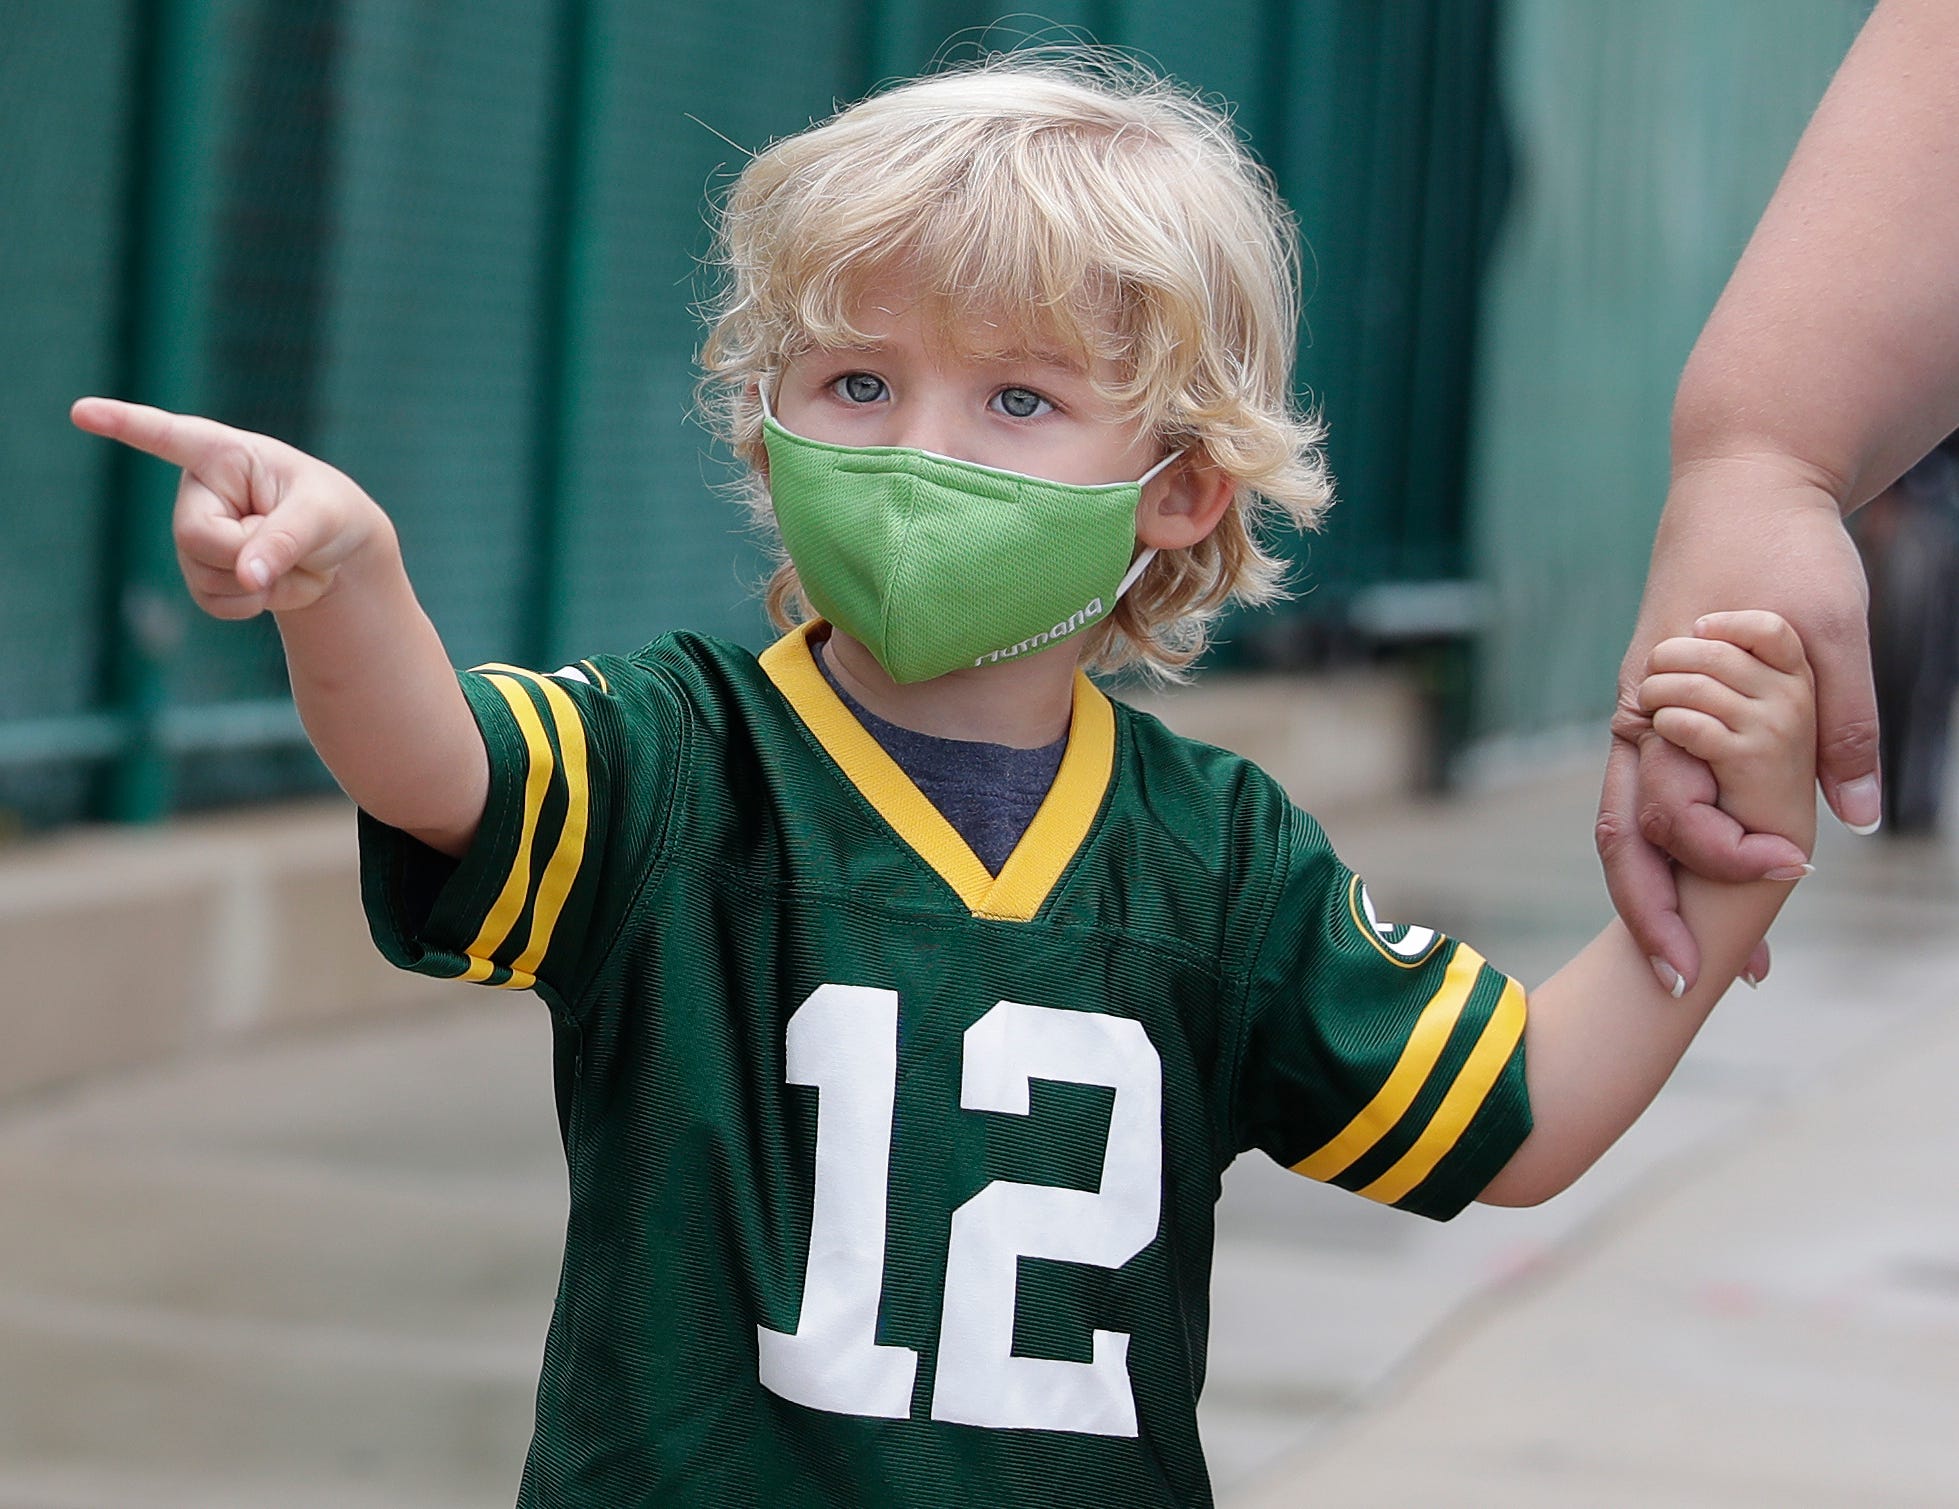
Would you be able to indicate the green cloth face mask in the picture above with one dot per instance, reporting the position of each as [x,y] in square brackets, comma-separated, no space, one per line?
[934,564]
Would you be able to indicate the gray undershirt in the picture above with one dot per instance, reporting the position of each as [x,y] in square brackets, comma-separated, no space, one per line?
[988,792]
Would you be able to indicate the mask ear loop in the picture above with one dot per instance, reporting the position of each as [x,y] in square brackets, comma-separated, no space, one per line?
[1141,564]
[1136,568]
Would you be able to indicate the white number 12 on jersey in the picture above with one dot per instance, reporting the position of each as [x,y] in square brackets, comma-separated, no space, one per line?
[843,1041]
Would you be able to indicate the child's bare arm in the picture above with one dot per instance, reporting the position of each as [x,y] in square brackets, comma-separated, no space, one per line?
[1603,1035]
[260,526]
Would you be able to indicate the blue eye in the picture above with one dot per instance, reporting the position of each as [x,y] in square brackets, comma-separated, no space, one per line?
[859,387]
[1021,403]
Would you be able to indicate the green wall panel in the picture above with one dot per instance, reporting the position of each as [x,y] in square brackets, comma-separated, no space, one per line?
[429,387]
[61,138]
[1379,140]
[62,124]
[1648,137]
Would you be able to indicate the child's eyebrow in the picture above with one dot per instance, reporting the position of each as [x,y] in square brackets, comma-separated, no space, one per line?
[815,350]
[1070,362]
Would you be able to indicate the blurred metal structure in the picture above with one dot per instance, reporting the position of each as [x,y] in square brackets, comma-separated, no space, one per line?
[1909,539]
[454,248]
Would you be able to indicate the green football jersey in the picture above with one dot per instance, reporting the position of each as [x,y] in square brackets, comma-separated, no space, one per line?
[892,1180]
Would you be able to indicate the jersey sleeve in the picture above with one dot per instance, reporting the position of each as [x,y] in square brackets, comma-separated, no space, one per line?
[1383,1058]
[581,776]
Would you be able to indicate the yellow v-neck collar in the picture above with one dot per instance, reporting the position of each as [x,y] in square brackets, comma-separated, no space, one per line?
[1053,838]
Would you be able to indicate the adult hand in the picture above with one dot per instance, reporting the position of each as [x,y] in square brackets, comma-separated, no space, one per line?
[1739,533]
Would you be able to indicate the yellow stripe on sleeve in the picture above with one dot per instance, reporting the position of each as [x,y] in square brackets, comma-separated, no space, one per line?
[562,869]
[1418,1060]
[1460,1105]
[509,905]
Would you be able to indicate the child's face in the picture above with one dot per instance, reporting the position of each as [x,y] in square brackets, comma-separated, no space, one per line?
[1018,409]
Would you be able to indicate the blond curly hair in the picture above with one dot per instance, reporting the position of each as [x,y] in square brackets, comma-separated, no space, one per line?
[1117,215]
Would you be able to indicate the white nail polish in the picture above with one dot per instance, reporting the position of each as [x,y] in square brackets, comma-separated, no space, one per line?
[1670,980]
[1861,795]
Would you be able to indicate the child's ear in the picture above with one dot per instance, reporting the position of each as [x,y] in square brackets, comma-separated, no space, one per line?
[1184,504]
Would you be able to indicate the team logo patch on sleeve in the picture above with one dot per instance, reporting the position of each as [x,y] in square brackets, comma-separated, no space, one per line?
[1398,942]
[584,671]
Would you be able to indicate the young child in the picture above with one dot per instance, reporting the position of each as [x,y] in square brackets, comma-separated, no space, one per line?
[911,997]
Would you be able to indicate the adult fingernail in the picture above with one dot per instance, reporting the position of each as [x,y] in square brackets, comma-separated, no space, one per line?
[1860,805]
[1789,872]
[1668,976]
[1750,979]
[260,573]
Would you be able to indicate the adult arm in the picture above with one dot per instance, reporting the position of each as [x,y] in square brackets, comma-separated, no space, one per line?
[1829,365]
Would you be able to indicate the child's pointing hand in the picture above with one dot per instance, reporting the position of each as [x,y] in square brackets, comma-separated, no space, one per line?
[258,524]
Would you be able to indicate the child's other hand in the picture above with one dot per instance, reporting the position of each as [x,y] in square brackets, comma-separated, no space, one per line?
[1739,695]
[258,524]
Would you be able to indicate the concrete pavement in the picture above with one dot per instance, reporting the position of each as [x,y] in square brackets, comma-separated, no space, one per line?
[314,1266]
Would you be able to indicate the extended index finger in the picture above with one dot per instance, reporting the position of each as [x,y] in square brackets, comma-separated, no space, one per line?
[181,439]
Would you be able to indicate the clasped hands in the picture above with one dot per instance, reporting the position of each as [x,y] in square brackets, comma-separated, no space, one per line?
[1732,539]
